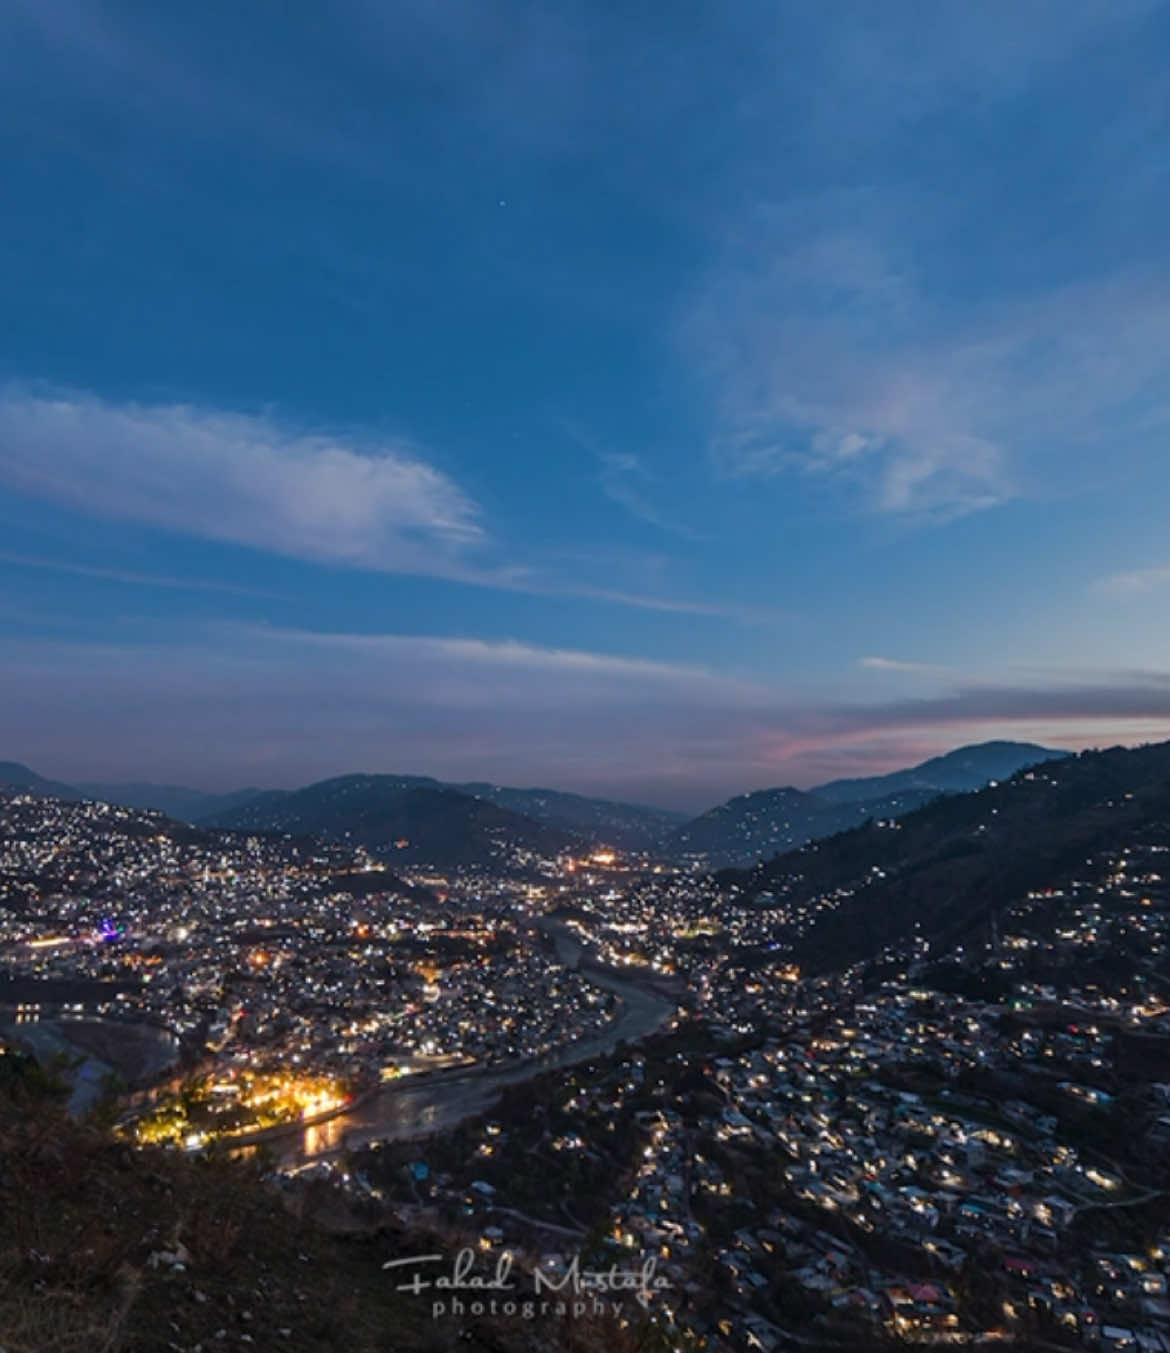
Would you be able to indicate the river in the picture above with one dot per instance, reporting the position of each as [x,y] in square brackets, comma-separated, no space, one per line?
[94,1049]
[440,1100]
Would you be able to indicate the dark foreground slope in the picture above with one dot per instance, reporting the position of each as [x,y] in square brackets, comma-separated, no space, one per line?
[82,1215]
[949,866]
[107,1249]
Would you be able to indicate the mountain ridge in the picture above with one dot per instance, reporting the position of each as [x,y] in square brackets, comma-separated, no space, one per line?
[766,822]
[951,772]
[945,868]
[628,826]
[176,801]
[738,832]
[16,776]
[404,818]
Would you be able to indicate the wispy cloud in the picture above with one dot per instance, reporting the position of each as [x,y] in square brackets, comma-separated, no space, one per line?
[930,343]
[349,500]
[131,576]
[152,67]
[244,479]
[304,704]
[502,655]
[872,71]
[627,480]
[944,413]
[1110,700]
[648,601]
[926,669]
[1133,582]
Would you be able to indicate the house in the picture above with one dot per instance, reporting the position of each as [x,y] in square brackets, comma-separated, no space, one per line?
[1018,1266]
[1053,1210]
[921,1305]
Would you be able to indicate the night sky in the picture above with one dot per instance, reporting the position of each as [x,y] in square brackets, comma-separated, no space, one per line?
[660,401]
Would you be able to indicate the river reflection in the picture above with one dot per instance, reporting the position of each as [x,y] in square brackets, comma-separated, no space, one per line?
[321,1138]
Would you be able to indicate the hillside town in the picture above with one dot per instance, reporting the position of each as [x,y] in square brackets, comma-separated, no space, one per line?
[932,1144]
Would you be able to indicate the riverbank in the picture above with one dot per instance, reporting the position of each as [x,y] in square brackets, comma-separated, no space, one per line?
[94,1053]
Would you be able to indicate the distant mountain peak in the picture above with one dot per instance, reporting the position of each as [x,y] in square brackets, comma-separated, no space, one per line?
[402,818]
[13,772]
[956,860]
[956,772]
[15,776]
[765,822]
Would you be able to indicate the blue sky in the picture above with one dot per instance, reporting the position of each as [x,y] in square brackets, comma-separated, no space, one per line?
[657,401]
